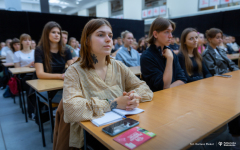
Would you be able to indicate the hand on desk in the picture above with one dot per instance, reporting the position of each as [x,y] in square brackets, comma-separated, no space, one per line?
[134,100]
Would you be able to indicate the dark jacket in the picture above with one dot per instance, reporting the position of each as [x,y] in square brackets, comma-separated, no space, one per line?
[218,64]
[195,74]
[153,66]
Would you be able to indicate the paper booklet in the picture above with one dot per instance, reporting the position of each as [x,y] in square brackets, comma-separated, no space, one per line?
[114,116]
[134,137]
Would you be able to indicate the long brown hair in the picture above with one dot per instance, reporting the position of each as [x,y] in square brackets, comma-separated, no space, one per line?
[184,51]
[139,42]
[44,43]
[85,52]
[159,24]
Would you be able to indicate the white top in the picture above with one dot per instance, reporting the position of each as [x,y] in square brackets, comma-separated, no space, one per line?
[23,58]
[77,50]
[9,57]
[4,51]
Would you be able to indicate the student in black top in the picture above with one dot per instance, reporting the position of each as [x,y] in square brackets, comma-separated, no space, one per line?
[159,65]
[50,59]
[50,55]
[174,46]
[189,57]
[141,45]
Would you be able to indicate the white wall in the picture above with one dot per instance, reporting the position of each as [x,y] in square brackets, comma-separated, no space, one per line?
[182,7]
[103,10]
[83,12]
[132,9]
[31,7]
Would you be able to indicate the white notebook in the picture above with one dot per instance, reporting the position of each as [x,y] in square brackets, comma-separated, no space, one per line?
[114,116]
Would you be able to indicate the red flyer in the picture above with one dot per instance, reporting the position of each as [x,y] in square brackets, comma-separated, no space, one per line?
[134,137]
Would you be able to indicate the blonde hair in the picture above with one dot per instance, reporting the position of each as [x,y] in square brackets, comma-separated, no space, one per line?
[124,33]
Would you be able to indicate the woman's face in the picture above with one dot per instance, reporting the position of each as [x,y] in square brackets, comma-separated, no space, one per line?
[101,41]
[26,43]
[142,43]
[191,40]
[163,37]
[128,40]
[73,43]
[54,35]
[33,45]
[16,46]
[200,39]
[217,40]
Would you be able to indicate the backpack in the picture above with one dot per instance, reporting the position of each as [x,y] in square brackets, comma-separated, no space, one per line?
[12,83]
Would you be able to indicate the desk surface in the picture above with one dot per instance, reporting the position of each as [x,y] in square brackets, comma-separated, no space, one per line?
[136,70]
[183,114]
[21,70]
[41,85]
[233,56]
[8,64]
[2,57]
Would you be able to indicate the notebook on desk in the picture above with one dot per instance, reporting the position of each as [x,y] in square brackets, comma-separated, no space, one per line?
[114,116]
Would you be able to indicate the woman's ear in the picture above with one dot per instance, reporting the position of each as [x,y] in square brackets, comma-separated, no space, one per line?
[155,34]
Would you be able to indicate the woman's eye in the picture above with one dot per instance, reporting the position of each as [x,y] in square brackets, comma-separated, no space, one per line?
[110,36]
[100,35]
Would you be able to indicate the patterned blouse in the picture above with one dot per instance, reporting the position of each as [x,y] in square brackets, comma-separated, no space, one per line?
[85,94]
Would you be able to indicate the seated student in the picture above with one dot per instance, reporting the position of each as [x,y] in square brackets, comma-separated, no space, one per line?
[126,54]
[174,46]
[96,84]
[73,43]
[24,57]
[50,59]
[6,48]
[15,46]
[65,39]
[50,55]
[118,44]
[2,44]
[159,66]
[201,47]
[215,58]
[33,45]
[141,45]
[190,59]
[226,45]
[233,44]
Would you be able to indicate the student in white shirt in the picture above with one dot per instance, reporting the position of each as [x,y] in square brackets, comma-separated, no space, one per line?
[5,49]
[24,57]
[73,42]
[15,46]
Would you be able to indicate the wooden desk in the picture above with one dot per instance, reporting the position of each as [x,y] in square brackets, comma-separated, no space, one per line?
[42,85]
[233,56]
[183,114]
[136,70]
[2,57]
[21,70]
[8,64]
